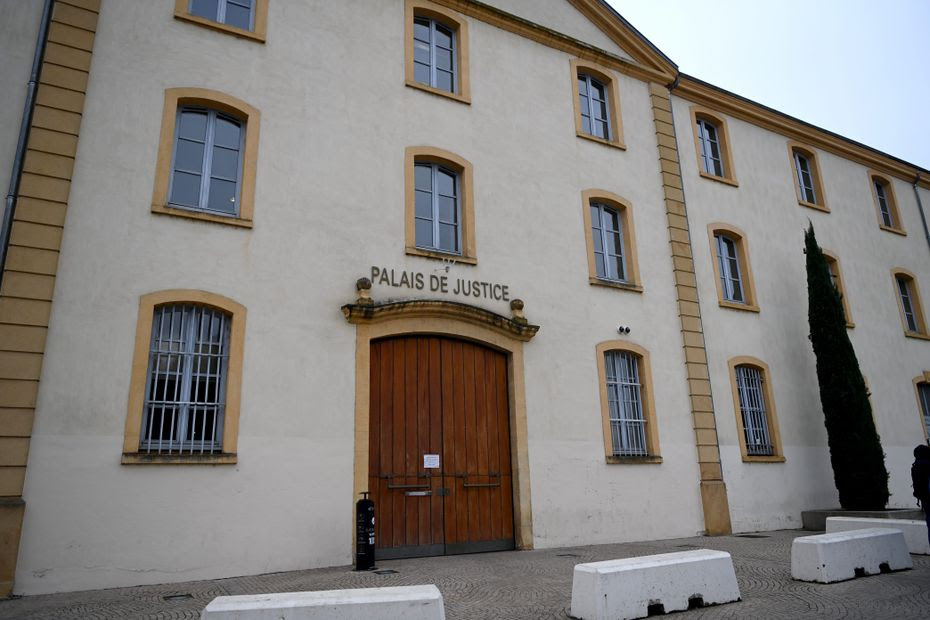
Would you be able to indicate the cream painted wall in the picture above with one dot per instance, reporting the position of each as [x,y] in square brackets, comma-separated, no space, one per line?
[561,17]
[336,118]
[19,26]
[765,207]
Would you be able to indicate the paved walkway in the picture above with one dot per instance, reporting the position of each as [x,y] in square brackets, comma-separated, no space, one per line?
[531,585]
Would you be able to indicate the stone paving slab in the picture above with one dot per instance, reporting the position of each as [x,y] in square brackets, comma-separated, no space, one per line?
[527,585]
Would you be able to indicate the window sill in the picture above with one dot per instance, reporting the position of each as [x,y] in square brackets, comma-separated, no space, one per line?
[204,217]
[724,180]
[612,143]
[626,286]
[633,460]
[763,459]
[438,91]
[455,258]
[892,229]
[738,306]
[142,458]
[215,25]
[850,325]
[813,205]
[917,335]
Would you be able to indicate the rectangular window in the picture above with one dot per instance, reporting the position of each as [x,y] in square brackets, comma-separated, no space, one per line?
[186,381]
[805,178]
[206,170]
[235,13]
[434,54]
[593,104]
[607,235]
[710,148]
[437,213]
[923,392]
[624,397]
[883,207]
[907,304]
[752,410]
[728,261]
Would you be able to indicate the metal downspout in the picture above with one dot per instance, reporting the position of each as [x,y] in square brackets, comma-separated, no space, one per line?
[920,208]
[17,172]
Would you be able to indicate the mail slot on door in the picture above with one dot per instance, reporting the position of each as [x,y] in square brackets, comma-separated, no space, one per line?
[418,493]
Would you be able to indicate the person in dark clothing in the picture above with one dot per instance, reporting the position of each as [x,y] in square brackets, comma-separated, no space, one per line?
[920,478]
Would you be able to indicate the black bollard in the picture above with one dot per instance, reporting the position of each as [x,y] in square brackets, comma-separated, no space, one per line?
[364,533]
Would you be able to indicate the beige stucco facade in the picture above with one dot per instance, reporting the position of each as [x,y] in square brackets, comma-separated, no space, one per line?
[329,205]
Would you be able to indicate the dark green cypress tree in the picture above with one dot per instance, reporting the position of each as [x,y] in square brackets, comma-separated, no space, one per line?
[855,449]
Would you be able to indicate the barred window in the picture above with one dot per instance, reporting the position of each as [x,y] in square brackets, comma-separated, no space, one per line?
[753,411]
[624,397]
[185,393]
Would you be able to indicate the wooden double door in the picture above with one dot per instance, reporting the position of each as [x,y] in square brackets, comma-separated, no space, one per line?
[439,447]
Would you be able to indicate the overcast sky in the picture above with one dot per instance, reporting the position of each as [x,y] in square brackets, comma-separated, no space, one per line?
[859,68]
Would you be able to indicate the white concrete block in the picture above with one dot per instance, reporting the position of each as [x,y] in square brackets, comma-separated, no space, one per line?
[407,602]
[827,558]
[620,589]
[915,532]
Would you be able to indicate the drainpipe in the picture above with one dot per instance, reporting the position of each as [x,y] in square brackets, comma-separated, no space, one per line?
[20,156]
[920,208]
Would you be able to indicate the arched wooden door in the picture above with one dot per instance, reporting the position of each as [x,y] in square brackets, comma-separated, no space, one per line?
[439,449]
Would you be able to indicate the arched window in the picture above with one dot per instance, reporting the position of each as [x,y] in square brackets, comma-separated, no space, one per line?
[735,286]
[712,146]
[807,179]
[912,314]
[440,209]
[627,406]
[922,386]
[246,19]
[885,203]
[610,240]
[184,391]
[597,104]
[206,158]
[755,408]
[437,50]
[836,276]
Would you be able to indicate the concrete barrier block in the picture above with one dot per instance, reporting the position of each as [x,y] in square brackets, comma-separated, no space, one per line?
[639,587]
[407,602]
[827,558]
[915,532]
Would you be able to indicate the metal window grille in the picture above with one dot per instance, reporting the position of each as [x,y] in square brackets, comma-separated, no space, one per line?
[730,277]
[883,204]
[923,390]
[595,113]
[907,305]
[624,398]
[185,395]
[207,161]
[238,13]
[752,409]
[607,233]
[805,178]
[437,212]
[710,148]
[434,62]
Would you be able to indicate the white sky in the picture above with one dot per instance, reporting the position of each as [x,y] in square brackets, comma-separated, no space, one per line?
[859,68]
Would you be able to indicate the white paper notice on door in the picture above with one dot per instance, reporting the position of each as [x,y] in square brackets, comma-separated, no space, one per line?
[430,461]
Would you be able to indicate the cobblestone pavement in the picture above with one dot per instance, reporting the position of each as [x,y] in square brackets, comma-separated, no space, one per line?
[531,585]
